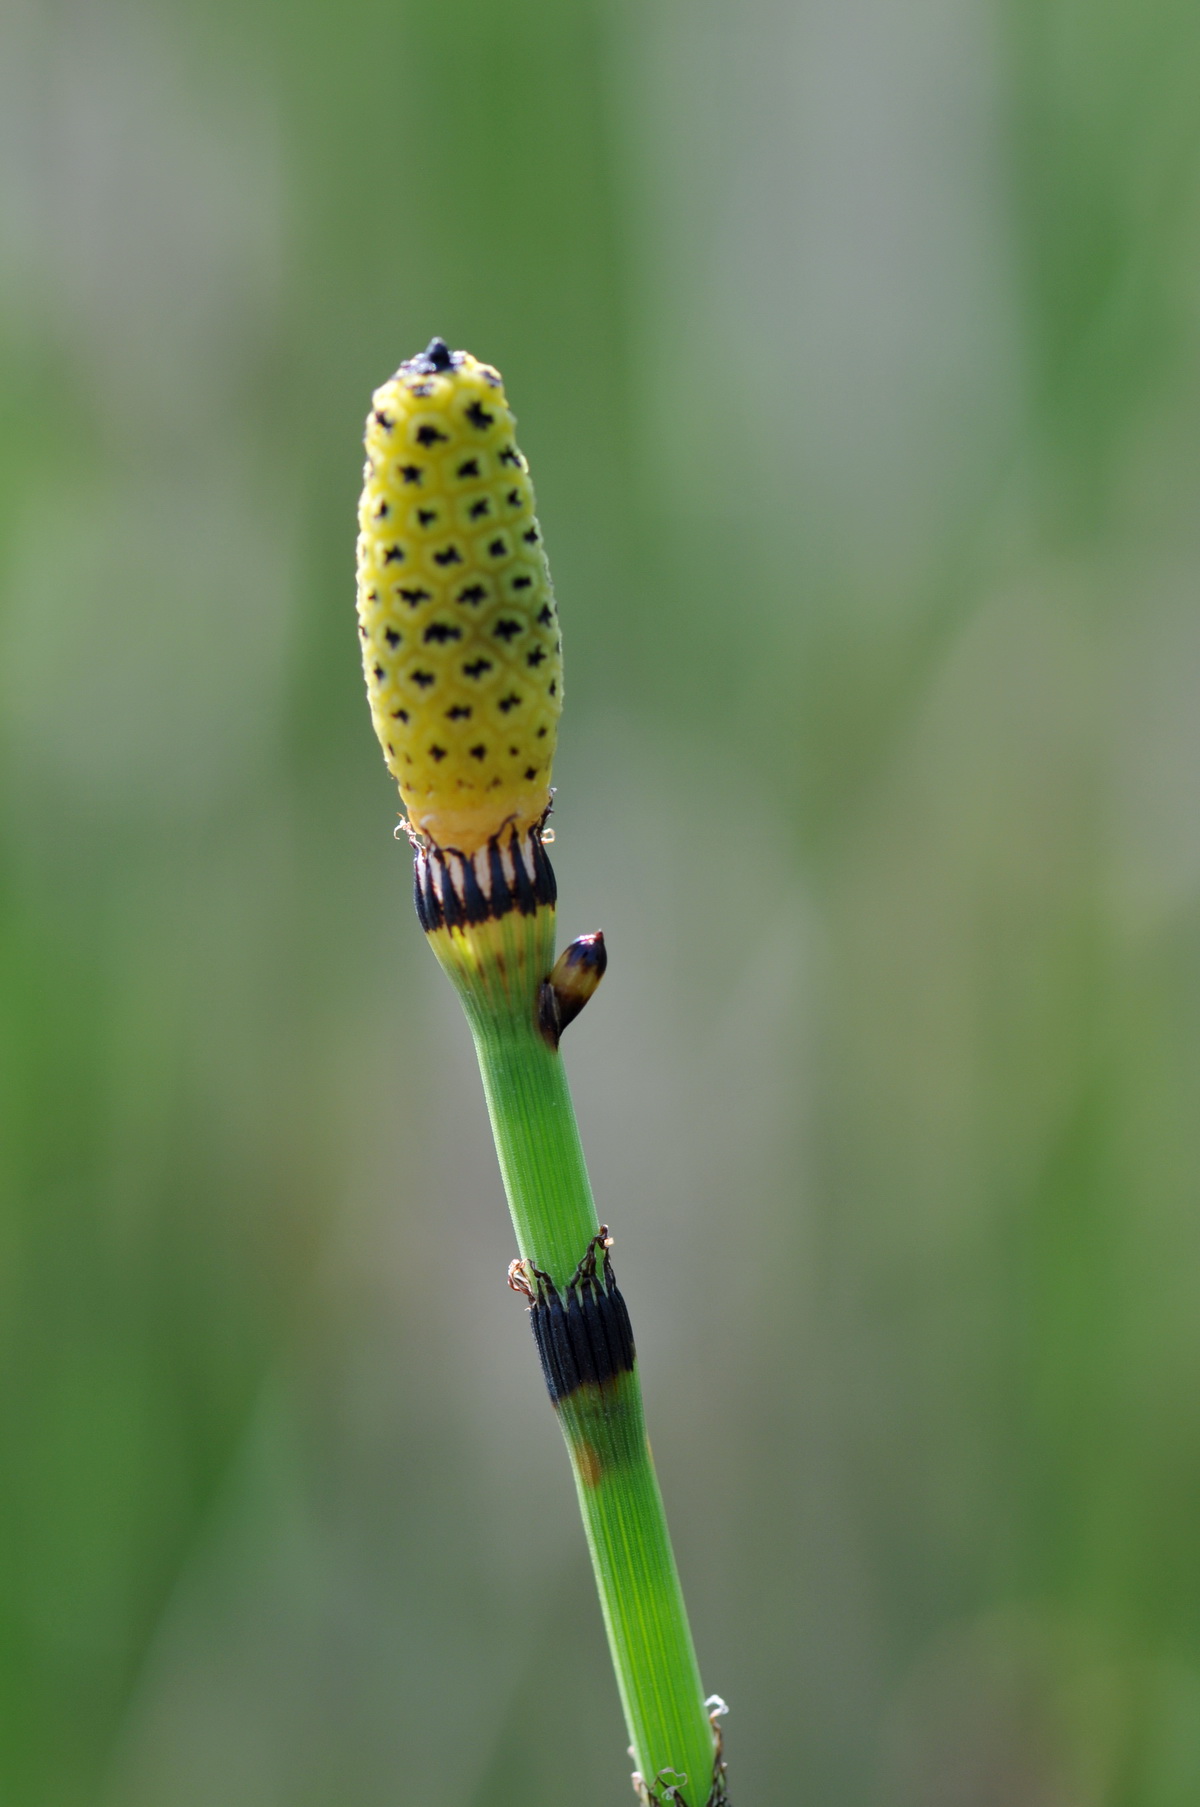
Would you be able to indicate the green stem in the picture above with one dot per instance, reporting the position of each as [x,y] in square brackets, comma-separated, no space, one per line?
[537,1142]
[550,1197]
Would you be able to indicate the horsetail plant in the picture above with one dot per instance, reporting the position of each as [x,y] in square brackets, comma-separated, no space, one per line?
[463,662]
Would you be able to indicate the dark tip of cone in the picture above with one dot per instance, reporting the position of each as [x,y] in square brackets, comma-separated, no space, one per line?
[436,356]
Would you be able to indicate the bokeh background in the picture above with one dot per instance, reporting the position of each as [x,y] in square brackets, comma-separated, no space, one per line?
[856,349]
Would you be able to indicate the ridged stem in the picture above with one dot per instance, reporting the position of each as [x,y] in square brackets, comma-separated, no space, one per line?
[537,1144]
[553,1213]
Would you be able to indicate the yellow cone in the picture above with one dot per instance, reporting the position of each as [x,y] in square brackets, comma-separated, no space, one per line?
[459,630]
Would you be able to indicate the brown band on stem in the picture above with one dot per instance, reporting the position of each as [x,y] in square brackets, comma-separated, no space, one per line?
[583,1335]
[454,890]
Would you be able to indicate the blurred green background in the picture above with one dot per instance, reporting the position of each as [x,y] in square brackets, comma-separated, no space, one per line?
[856,349]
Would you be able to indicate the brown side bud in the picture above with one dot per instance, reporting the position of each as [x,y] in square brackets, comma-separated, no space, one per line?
[574,977]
